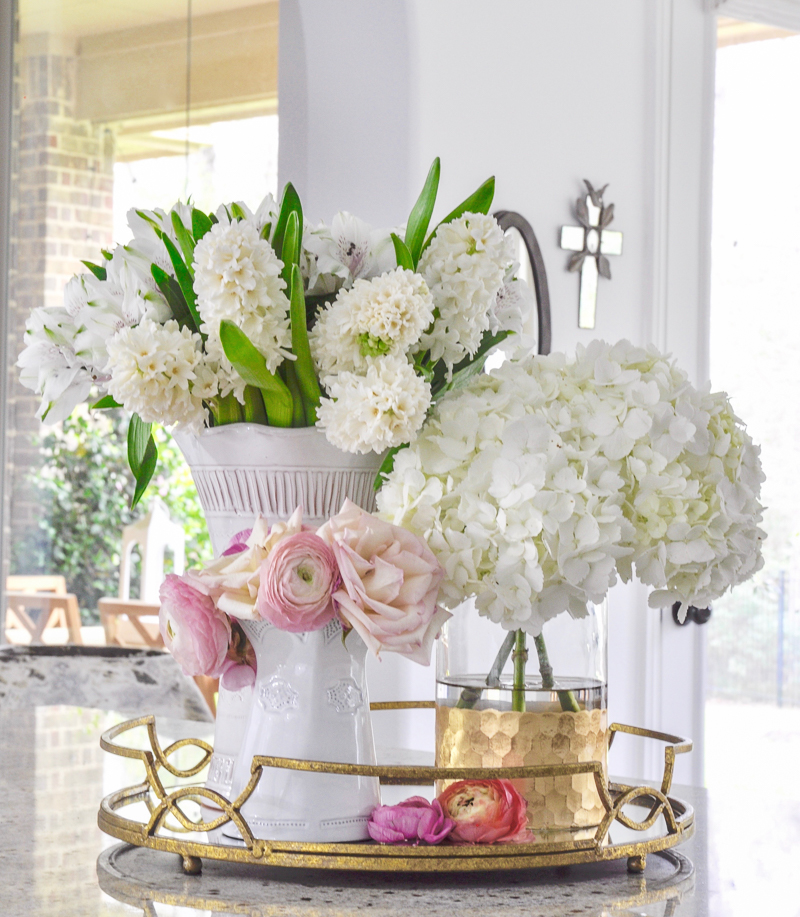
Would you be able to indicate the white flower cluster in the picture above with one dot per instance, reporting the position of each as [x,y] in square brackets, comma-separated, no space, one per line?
[237,277]
[465,267]
[535,484]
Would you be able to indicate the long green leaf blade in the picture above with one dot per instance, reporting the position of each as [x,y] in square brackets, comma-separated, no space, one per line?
[138,435]
[99,272]
[403,255]
[200,224]
[304,365]
[106,403]
[185,241]
[291,247]
[184,279]
[421,213]
[290,202]
[251,366]
[479,202]
[172,292]
[146,470]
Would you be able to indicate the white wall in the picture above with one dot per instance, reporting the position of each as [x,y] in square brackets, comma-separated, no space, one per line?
[541,95]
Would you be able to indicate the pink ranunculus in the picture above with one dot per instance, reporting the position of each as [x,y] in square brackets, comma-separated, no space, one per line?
[194,630]
[486,812]
[390,583]
[240,667]
[413,820]
[297,581]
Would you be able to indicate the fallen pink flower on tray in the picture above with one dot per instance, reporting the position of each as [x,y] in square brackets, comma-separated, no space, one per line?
[486,812]
[411,821]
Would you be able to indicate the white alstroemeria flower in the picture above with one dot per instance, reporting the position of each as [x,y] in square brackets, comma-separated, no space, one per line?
[52,363]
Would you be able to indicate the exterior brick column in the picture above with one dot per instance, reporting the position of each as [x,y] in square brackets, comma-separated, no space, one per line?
[64,193]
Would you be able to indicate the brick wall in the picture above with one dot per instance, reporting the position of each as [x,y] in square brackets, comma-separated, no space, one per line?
[64,192]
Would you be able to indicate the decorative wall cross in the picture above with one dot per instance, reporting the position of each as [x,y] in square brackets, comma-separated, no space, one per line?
[592,242]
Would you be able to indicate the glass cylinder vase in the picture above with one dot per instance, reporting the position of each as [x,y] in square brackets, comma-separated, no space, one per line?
[505,699]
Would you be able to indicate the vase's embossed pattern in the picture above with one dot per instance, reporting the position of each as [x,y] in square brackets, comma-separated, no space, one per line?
[332,630]
[279,491]
[277,694]
[345,696]
[220,770]
[493,738]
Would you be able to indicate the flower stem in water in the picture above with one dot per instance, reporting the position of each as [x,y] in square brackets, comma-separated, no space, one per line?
[567,699]
[520,657]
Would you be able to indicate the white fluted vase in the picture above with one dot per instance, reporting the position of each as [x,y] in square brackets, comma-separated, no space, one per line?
[241,470]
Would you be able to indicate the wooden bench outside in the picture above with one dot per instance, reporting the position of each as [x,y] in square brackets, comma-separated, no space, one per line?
[48,595]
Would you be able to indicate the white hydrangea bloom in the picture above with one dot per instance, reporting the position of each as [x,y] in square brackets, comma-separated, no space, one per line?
[535,483]
[378,317]
[464,266]
[157,372]
[383,408]
[237,277]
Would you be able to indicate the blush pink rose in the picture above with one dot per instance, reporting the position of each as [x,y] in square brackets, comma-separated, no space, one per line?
[194,630]
[486,812]
[413,820]
[297,581]
[390,583]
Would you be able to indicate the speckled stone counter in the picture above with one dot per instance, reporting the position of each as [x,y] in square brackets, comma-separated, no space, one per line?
[55,861]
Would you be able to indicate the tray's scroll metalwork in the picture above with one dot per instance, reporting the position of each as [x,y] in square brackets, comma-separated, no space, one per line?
[162,803]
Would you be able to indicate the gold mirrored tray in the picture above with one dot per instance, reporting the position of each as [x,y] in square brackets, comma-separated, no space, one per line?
[638,819]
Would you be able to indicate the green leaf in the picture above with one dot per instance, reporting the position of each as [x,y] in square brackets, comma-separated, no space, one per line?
[138,434]
[184,278]
[291,247]
[479,202]
[146,471]
[468,367]
[254,410]
[252,367]
[185,241]
[106,254]
[213,218]
[105,403]
[200,224]
[149,220]
[99,272]
[290,202]
[403,255]
[421,213]
[386,466]
[266,229]
[171,291]
[298,411]
[304,365]
[237,212]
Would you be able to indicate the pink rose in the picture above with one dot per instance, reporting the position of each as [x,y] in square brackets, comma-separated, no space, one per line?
[390,583]
[414,819]
[194,630]
[486,812]
[297,580]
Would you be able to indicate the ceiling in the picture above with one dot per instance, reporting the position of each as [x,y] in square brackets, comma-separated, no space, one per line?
[76,18]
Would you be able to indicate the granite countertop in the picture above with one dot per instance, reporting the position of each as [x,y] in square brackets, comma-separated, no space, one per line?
[55,861]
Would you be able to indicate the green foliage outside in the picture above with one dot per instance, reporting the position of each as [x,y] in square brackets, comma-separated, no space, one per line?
[84,487]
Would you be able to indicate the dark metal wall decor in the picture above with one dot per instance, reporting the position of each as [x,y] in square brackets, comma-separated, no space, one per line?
[591,242]
[510,219]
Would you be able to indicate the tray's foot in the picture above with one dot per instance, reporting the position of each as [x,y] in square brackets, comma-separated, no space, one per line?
[638,863]
[192,866]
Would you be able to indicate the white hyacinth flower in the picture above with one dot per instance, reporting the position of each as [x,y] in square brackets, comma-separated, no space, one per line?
[383,408]
[157,372]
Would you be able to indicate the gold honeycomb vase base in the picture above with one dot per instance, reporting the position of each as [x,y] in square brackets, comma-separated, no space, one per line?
[506,738]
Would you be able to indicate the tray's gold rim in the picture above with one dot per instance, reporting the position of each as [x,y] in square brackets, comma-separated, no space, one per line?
[366,855]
